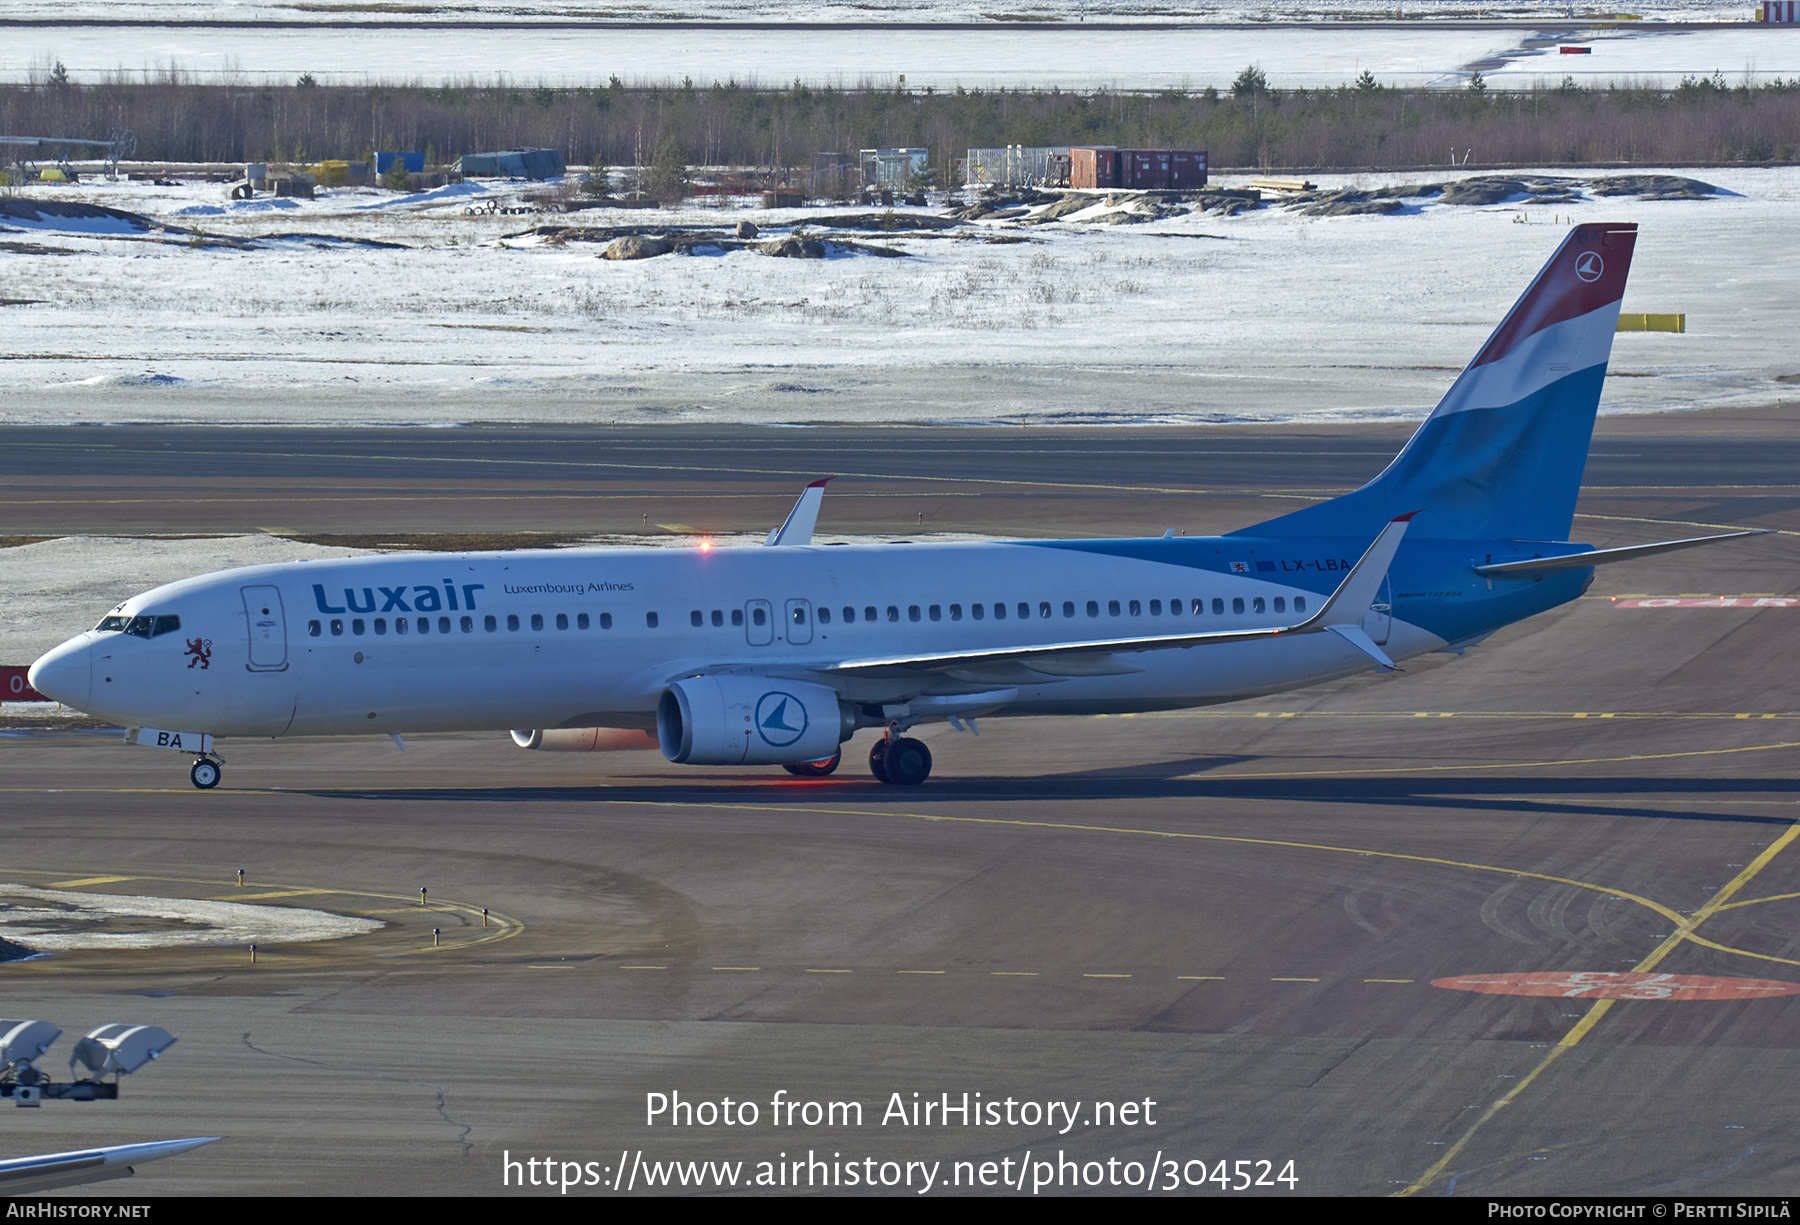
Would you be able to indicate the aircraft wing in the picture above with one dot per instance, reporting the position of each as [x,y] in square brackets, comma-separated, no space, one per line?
[1341,615]
[28,1175]
[1599,557]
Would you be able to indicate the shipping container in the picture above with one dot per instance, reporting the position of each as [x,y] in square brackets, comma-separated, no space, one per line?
[1139,169]
[414,162]
[1187,169]
[1094,167]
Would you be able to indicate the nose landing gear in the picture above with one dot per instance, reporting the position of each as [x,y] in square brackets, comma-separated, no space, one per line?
[206,773]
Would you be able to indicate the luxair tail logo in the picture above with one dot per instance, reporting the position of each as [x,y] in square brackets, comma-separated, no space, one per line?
[780,718]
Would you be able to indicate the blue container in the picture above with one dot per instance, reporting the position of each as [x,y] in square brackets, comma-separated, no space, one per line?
[414,162]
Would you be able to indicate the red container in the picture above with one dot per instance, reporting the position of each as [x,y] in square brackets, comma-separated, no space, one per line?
[1094,167]
[1187,168]
[1146,169]
[1140,169]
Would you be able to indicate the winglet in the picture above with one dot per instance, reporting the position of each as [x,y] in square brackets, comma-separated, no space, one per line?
[1349,604]
[797,528]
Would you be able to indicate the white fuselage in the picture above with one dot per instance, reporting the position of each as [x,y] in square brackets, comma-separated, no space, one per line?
[577,638]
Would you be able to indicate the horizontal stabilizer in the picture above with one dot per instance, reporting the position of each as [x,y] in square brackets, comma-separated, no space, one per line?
[1600,557]
[1353,634]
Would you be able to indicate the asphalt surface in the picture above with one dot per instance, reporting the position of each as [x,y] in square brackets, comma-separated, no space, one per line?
[1238,914]
[174,479]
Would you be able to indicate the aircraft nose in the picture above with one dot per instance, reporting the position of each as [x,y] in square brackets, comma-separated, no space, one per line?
[66,674]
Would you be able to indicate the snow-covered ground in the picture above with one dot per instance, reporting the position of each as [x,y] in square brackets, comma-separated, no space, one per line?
[858,11]
[1268,315]
[1070,58]
[60,920]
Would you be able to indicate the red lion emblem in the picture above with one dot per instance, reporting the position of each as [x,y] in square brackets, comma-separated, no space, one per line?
[201,650]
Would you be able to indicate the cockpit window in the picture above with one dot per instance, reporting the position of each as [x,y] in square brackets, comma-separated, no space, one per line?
[139,627]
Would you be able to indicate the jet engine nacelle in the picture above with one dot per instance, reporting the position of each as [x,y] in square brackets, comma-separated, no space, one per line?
[750,720]
[583,739]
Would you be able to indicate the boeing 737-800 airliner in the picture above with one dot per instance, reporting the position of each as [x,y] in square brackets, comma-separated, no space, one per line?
[778,655]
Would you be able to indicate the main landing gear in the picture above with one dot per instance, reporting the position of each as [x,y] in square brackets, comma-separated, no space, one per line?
[900,760]
[815,769]
[206,773]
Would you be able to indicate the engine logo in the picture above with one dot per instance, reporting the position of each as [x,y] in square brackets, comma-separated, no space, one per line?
[780,718]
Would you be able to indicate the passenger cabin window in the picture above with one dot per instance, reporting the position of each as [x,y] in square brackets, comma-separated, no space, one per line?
[512,621]
[718,618]
[489,623]
[650,619]
[582,622]
[696,619]
[1068,608]
[605,621]
[737,617]
[824,615]
[381,626]
[1257,605]
[467,624]
[400,624]
[537,621]
[443,625]
[1219,606]
[1237,604]
[869,613]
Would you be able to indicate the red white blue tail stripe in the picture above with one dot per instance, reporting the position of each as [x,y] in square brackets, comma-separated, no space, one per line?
[1501,457]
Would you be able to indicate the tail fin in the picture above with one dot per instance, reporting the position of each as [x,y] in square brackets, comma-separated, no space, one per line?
[1502,455]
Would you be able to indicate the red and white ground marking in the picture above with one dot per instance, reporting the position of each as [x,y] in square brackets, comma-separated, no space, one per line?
[1608,985]
[1710,601]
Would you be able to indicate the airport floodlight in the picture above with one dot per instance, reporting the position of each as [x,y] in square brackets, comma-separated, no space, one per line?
[22,1042]
[116,1049]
